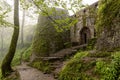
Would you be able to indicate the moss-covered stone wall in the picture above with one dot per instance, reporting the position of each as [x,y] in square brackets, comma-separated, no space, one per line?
[47,39]
[108,25]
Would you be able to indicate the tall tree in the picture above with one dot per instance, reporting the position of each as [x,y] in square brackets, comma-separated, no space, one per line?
[24,8]
[6,64]
[22,34]
[22,28]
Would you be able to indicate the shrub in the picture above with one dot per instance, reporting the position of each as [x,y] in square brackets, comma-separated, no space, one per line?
[109,71]
[100,54]
[74,69]
[26,54]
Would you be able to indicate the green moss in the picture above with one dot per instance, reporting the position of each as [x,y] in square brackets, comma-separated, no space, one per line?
[67,44]
[108,25]
[48,42]
[80,55]
[91,44]
[100,54]
[108,22]
[85,67]
[12,77]
[107,12]
[42,65]
[24,52]
[46,39]
[84,20]
[75,68]
[40,46]
[16,59]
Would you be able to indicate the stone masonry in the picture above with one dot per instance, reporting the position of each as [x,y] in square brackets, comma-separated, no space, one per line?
[84,30]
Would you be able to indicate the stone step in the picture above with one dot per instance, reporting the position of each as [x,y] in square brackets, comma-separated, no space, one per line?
[55,63]
[80,46]
[50,58]
[74,51]
[55,73]
[55,66]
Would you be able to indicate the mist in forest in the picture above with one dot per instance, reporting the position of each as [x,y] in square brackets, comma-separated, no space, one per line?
[6,35]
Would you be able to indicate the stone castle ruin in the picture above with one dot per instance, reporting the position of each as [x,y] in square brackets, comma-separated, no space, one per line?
[48,41]
[84,29]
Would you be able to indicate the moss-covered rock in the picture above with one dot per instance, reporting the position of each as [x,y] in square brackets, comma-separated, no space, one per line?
[108,25]
[13,76]
[47,39]
[76,68]
[42,66]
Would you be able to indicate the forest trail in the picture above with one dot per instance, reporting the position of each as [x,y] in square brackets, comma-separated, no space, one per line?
[29,73]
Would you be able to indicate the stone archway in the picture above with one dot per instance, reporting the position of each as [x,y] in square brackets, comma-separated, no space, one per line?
[85,35]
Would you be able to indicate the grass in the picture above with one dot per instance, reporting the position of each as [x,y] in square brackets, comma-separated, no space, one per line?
[97,66]
[109,71]
[74,69]
[100,54]
[16,60]
[25,52]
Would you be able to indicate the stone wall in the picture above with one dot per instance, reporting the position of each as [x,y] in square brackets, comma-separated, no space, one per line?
[46,39]
[86,19]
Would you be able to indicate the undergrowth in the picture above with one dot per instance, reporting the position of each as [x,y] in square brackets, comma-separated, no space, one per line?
[86,66]
[42,66]
[74,69]
[109,71]
[21,55]
[26,52]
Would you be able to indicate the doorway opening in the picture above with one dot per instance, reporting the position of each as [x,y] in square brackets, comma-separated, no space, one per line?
[84,35]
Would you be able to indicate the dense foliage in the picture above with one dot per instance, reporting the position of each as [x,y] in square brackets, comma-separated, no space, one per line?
[21,55]
[4,9]
[111,70]
[43,66]
[74,69]
[108,12]
[108,25]
[85,67]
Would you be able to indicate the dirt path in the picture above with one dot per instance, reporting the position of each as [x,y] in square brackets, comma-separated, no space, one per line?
[29,73]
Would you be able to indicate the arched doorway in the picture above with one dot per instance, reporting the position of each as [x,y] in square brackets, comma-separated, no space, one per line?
[85,35]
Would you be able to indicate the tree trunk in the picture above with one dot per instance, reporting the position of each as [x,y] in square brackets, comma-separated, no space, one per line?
[6,64]
[22,34]
[2,41]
